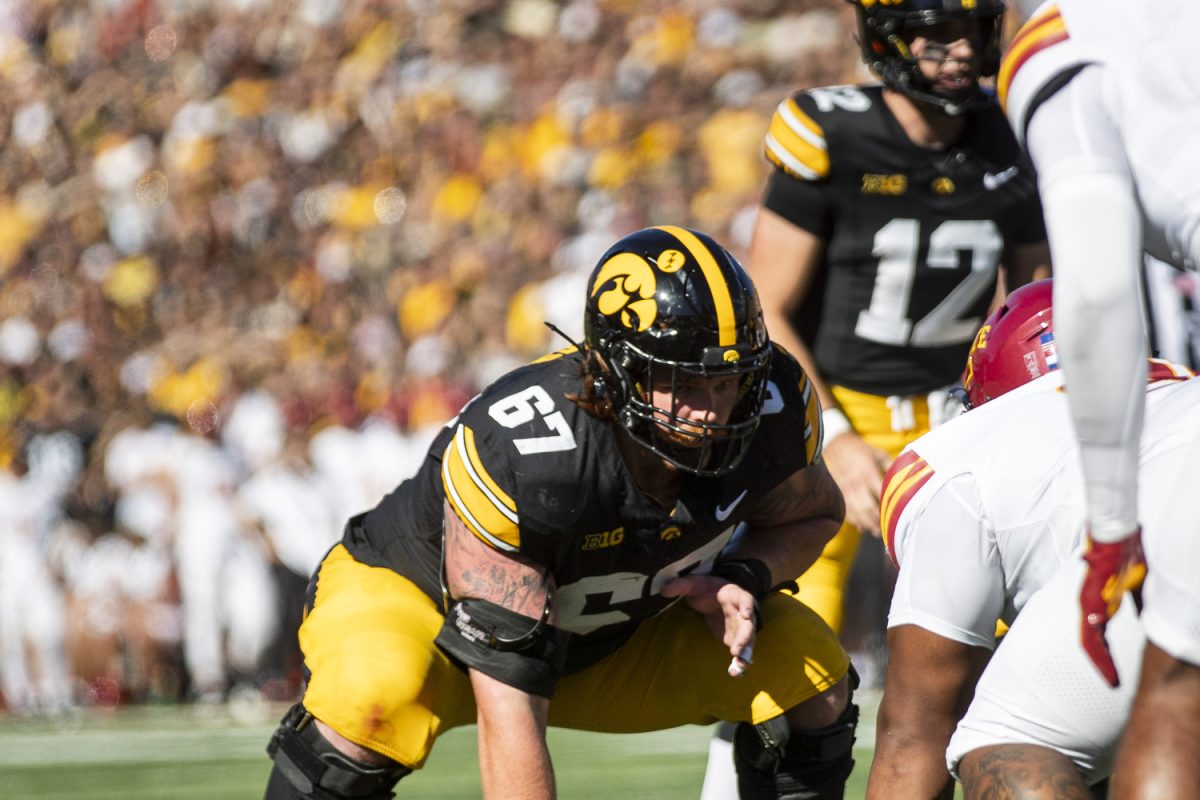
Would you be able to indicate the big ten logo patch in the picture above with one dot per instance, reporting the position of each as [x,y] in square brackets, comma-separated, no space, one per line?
[884,184]
[597,541]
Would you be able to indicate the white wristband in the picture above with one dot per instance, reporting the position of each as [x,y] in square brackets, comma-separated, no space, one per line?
[835,424]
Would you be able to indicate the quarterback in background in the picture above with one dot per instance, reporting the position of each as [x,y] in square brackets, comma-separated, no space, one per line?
[877,249]
[878,241]
[530,573]
[1107,103]
[984,518]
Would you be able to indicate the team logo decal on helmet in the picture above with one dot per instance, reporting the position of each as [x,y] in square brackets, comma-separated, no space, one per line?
[1014,346]
[668,304]
[631,293]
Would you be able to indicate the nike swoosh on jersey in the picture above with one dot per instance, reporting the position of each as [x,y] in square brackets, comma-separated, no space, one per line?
[723,513]
[994,180]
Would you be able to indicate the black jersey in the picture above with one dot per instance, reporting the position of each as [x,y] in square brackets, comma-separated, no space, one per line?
[530,473]
[913,236]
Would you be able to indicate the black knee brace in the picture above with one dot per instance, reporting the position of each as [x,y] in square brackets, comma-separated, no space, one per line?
[308,767]
[777,763]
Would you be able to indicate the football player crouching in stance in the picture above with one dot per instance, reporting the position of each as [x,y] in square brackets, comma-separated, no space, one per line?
[528,575]
[984,519]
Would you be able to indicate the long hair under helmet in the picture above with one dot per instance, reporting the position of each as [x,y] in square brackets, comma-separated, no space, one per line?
[669,303]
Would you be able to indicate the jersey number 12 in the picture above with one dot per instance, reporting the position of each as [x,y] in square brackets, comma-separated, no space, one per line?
[896,245]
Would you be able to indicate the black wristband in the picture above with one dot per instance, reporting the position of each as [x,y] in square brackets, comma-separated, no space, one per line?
[749,573]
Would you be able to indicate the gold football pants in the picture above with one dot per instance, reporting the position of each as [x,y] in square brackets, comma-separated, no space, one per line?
[823,586]
[378,679]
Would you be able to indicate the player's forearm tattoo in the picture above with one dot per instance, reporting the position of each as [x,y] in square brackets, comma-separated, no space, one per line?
[473,569]
[1013,772]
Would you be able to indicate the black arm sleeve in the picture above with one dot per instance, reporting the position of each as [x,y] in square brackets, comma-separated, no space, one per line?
[520,651]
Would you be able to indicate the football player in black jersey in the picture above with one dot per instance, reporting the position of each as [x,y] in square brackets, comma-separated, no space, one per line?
[530,573]
[876,250]
[881,230]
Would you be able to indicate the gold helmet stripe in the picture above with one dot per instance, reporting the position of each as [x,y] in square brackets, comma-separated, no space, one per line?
[476,498]
[717,286]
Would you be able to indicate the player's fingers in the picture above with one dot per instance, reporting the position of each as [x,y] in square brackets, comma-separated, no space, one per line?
[742,636]
[737,667]
[737,607]
[1096,647]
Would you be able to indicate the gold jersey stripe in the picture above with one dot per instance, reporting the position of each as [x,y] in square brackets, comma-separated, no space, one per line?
[1037,34]
[722,301]
[477,499]
[557,354]
[796,143]
[814,433]
[1163,370]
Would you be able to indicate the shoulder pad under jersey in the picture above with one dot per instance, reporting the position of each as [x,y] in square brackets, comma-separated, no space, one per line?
[521,425]
[791,415]
[797,140]
[1039,56]
[904,479]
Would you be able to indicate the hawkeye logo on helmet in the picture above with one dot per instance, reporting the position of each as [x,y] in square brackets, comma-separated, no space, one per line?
[632,295]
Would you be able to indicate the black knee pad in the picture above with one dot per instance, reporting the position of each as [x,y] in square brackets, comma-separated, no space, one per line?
[777,763]
[308,767]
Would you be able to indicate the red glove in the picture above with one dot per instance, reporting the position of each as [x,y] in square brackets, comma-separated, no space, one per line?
[1113,569]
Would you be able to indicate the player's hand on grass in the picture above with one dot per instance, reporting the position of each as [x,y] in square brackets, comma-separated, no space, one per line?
[1114,568]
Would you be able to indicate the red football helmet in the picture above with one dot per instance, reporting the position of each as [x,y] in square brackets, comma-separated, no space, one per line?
[1014,346]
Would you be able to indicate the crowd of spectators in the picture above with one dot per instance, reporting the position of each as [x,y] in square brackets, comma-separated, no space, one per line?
[253,251]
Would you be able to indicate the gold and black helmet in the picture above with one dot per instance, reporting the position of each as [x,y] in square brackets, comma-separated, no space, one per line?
[672,302]
[885,27]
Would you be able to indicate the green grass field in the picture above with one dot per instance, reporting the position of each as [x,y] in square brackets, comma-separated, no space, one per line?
[216,753]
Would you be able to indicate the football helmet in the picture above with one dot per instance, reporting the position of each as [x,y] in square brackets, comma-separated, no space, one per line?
[1014,346]
[885,28]
[665,304]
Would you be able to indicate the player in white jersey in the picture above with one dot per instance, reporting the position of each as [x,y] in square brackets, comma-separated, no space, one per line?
[1105,96]
[984,518]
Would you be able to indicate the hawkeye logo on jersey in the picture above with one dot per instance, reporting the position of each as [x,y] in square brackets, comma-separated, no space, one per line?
[892,185]
[943,185]
[670,533]
[598,541]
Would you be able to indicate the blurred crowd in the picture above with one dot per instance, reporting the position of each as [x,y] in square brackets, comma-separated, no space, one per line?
[253,252]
